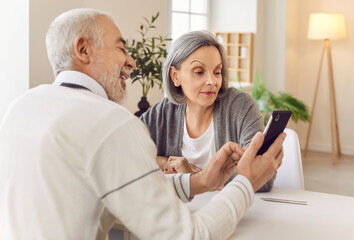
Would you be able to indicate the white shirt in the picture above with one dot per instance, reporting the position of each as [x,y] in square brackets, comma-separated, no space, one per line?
[81,79]
[181,182]
[199,150]
[68,156]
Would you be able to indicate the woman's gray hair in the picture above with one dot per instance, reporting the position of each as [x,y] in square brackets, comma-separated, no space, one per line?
[65,29]
[180,50]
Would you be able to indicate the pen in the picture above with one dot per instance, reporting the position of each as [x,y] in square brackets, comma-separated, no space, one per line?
[284,201]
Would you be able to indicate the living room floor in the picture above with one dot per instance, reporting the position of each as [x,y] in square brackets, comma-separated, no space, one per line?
[321,176]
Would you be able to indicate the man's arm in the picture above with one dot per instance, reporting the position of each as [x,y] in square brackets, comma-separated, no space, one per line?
[161,162]
[132,187]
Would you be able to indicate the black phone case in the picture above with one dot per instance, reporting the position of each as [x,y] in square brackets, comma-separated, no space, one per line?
[277,126]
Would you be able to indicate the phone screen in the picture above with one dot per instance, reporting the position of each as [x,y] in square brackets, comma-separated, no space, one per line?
[276,125]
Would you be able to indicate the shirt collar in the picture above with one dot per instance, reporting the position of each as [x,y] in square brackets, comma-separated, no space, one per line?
[82,79]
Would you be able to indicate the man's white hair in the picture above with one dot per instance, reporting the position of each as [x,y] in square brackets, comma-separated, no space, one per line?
[65,29]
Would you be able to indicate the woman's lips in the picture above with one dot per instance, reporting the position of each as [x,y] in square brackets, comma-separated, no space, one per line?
[209,93]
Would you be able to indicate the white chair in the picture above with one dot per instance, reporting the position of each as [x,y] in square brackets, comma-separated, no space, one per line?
[290,174]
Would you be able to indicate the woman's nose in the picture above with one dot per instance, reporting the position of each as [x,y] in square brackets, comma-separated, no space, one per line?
[211,79]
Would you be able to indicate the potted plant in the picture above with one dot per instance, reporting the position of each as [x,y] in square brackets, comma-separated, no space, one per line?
[148,53]
[268,102]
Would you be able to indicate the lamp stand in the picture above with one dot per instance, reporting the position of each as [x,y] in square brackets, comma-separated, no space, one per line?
[334,121]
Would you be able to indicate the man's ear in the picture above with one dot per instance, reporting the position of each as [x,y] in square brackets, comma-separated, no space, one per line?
[174,76]
[82,49]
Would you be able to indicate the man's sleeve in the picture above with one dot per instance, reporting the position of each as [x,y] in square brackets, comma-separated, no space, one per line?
[181,185]
[132,187]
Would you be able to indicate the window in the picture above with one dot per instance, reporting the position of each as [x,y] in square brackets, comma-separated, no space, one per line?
[188,15]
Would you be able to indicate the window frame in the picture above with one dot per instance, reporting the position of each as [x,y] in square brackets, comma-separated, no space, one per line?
[189,13]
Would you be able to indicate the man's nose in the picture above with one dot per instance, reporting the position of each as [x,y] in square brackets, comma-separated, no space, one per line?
[130,63]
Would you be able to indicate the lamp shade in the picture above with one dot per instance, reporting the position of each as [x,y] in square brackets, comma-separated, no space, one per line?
[326,26]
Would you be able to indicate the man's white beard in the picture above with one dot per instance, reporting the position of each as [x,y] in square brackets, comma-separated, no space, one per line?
[110,80]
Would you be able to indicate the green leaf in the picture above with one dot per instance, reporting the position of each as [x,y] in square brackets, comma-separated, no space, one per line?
[268,102]
[149,54]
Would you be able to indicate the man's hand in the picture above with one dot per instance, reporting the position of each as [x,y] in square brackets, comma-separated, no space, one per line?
[261,168]
[161,162]
[218,170]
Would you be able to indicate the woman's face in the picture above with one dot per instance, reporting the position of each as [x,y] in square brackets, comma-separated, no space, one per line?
[200,76]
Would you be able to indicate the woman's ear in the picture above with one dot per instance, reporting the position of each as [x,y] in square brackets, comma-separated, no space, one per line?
[174,76]
[82,49]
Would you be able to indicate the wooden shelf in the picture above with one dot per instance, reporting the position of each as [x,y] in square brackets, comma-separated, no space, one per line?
[239,49]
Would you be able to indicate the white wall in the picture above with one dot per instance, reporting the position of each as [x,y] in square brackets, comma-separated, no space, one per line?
[127,14]
[233,15]
[292,47]
[343,59]
[238,16]
[289,61]
[265,18]
[270,43]
[14,51]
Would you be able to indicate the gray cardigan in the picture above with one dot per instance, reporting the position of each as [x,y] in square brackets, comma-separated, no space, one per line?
[236,118]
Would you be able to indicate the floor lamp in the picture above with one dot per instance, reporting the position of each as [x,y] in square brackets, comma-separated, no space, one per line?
[327,26]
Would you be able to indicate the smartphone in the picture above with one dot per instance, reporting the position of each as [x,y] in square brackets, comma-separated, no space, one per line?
[275,126]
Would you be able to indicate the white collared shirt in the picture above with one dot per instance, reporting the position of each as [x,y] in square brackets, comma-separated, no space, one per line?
[81,79]
[181,182]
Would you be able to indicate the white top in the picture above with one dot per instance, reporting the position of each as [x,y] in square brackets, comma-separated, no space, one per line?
[199,150]
[69,156]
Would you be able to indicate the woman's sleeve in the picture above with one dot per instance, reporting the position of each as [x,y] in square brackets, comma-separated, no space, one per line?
[252,122]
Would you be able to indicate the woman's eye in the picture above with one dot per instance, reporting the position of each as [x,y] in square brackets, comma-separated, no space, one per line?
[218,73]
[198,72]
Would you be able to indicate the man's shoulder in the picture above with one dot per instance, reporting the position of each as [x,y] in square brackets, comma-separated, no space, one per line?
[80,103]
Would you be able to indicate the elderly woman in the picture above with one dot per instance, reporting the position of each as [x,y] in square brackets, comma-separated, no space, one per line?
[201,113]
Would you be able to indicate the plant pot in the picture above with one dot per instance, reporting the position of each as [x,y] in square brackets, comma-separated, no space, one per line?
[143,106]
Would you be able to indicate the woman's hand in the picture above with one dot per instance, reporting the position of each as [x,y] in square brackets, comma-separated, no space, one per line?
[176,164]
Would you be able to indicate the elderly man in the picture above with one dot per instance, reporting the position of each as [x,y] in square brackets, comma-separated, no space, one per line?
[71,157]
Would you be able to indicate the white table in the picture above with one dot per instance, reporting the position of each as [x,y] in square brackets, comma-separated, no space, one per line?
[325,217]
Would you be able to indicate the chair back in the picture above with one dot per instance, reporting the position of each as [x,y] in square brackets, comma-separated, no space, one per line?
[290,174]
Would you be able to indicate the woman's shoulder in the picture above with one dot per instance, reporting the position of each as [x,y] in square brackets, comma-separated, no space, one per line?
[164,107]
[234,94]
[235,103]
